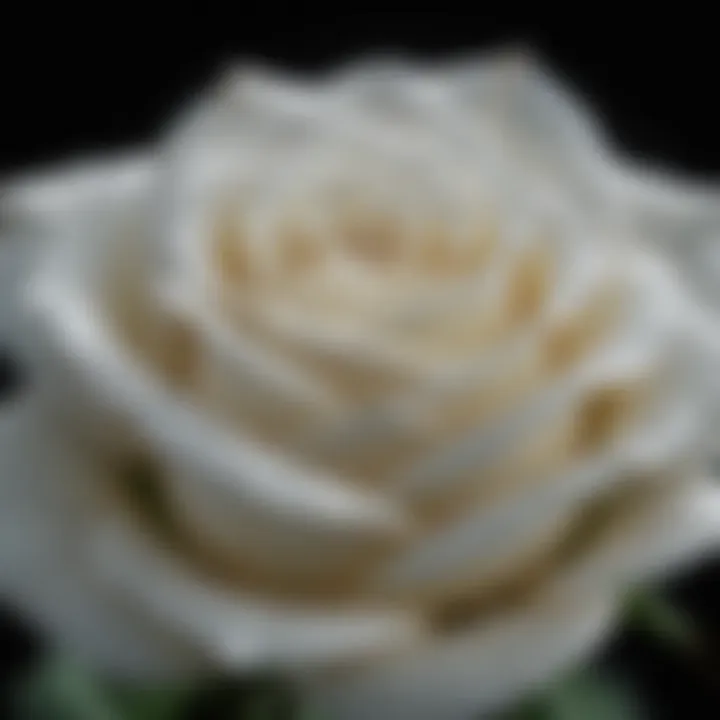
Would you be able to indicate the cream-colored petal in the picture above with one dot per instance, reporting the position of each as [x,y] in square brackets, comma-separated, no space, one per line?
[45,521]
[34,207]
[675,527]
[546,123]
[678,215]
[100,586]
[487,542]
[523,521]
[37,196]
[459,678]
[84,361]
[263,486]
[240,630]
[482,669]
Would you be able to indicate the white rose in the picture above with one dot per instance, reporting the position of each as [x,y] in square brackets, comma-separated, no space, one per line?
[391,381]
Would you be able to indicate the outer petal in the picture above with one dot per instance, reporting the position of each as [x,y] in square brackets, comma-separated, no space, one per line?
[674,528]
[504,657]
[476,672]
[681,216]
[99,584]
[557,128]
[44,519]
[30,208]
[546,123]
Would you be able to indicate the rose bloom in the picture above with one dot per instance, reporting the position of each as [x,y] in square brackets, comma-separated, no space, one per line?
[392,381]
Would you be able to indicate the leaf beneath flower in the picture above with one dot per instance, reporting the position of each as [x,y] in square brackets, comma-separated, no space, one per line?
[586,696]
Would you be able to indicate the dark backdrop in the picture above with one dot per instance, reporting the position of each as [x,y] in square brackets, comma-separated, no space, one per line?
[109,76]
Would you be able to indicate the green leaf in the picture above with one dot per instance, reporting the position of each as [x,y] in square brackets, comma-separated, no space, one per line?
[167,703]
[308,713]
[586,696]
[60,690]
[651,613]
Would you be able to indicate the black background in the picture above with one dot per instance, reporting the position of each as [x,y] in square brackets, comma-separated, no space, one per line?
[109,76]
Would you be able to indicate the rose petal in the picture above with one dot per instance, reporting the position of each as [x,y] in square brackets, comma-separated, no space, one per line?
[487,666]
[681,216]
[546,120]
[110,582]
[29,207]
[239,630]
[45,521]
[507,656]
[677,526]
[83,360]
